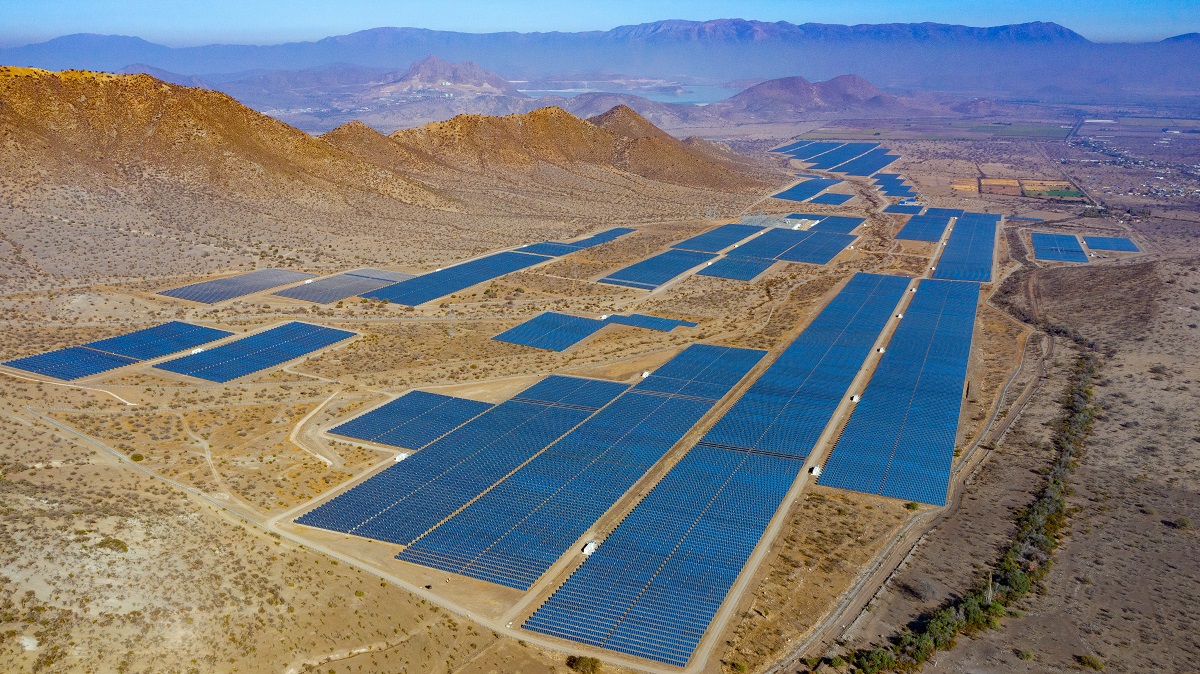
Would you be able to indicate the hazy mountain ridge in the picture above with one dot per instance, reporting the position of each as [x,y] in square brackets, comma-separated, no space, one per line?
[1035,59]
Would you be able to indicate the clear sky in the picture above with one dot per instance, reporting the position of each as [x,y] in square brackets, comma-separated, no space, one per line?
[178,23]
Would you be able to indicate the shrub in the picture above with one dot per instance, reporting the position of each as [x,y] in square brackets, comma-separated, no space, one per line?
[1090,661]
[912,505]
[114,544]
[583,664]
[136,457]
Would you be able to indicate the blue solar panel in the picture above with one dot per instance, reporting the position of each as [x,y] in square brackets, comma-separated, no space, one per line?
[431,286]
[559,248]
[219,290]
[413,420]
[737,269]
[718,239]
[969,251]
[551,331]
[1058,248]
[840,224]
[655,271]
[831,199]
[867,164]
[1117,243]
[108,354]
[812,150]
[790,147]
[161,340]
[402,502]
[807,189]
[770,245]
[339,287]
[842,155]
[652,588]
[787,409]
[818,247]
[905,210]
[260,351]
[900,439]
[945,212]
[650,322]
[806,216]
[516,531]
[924,228]
[73,362]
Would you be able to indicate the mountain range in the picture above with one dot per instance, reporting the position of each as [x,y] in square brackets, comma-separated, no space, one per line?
[1031,60]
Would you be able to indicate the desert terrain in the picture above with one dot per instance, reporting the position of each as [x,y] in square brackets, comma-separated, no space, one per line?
[149,515]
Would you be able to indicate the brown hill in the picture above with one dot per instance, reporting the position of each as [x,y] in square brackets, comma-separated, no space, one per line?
[101,128]
[617,140]
[795,97]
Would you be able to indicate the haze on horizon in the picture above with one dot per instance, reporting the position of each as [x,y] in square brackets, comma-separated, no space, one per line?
[274,21]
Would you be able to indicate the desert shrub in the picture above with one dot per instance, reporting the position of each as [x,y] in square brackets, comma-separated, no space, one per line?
[1090,661]
[583,664]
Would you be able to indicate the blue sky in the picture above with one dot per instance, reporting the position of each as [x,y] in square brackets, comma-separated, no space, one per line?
[179,23]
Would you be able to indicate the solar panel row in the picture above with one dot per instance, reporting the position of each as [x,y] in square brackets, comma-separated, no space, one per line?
[787,409]
[807,189]
[736,269]
[719,239]
[431,286]
[107,354]
[900,439]
[893,185]
[1116,243]
[793,245]
[219,290]
[260,351]
[551,331]
[868,164]
[968,253]
[831,199]
[924,228]
[904,210]
[340,286]
[408,498]
[412,420]
[516,531]
[813,149]
[653,586]
[655,271]
[1058,248]
[841,155]
[945,212]
[840,224]
[791,147]
[559,248]
[650,322]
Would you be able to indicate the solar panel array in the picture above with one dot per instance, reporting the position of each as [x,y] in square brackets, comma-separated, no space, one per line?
[904,210]
[655,271]
[559,248]
[340,286]
[219,290]
[924,228]
[408,498]
[1058,248]
[1117,243]
[813,149]
[786,410]
[968,253]
[650,322]
[791,147]
[260,351]
[652,588]
[736,269]
[831,199]
[900,439]
[945,212]
[520,528]
[893,185]
[551,331]
[841,155]
[103,355]
[869,163]
[412,420]
[431,286]
[719,239]
[807,189]
[794,245]
[840,224]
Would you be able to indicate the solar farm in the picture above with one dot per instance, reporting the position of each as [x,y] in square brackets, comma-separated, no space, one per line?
[596,443]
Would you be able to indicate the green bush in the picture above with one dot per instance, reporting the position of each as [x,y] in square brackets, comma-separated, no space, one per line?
[114,544]
[136,457]
[1090,661]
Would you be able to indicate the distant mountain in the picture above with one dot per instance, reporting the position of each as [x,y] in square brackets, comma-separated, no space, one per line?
[432,73]
[1017,60]
[165,76]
